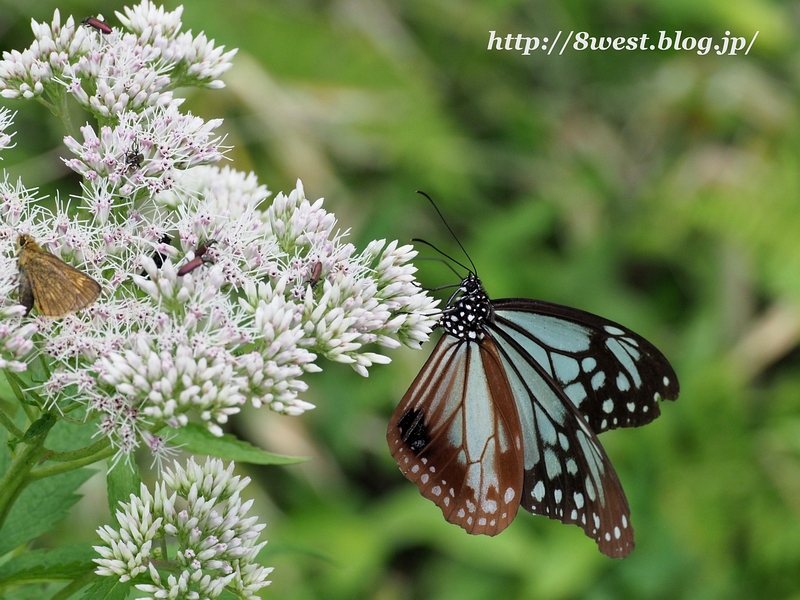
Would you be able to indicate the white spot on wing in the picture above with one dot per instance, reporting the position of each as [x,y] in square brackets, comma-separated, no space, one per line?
[622,382]
[598,379]
[538,491]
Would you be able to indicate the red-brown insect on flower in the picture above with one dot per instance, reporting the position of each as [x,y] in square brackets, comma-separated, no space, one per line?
[200,258]
[96,23]
[316,272]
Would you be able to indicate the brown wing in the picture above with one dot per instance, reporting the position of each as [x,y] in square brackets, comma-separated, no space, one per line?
[456,435]
[25,292]
[58,288]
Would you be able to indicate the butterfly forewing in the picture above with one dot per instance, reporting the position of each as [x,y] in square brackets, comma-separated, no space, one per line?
[50,284]
[456,435]
[612,375]
[568,476]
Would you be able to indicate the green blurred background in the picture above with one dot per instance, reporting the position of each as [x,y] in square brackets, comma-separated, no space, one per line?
[659,189]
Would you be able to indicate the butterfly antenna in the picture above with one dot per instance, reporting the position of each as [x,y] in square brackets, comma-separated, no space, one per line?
[441,260]
[441,216]
[447,256]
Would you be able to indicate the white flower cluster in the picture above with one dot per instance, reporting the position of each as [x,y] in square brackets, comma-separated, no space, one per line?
[211,297]
[145,150]
[6,118]
[217,543]
[15,335]
[158,347]
[111,73]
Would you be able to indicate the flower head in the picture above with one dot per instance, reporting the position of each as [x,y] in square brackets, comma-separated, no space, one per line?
[272,287]
[122,71]
[200,509]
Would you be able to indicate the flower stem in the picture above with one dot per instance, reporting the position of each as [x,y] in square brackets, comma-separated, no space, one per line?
[104,452]
[81,453]
[18,475]
[6,421]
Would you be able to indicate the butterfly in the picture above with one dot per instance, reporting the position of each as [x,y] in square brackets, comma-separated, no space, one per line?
[50,284]
[506,412]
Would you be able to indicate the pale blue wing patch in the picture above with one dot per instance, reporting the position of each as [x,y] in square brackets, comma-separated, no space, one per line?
[568,476]
[602,368]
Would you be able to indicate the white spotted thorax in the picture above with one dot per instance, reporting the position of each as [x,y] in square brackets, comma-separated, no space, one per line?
[468,311]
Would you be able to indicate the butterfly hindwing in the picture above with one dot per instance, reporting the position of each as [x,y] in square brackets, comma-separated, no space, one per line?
[456,435]
[568,475]
[612,375]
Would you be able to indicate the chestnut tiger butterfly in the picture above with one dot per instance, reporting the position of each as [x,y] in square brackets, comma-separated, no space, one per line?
[506,412]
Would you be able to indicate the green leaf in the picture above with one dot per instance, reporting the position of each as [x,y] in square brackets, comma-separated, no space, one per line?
[67,436]
[35,591]
[6,391]
[40,506]
[108,588]
[64,563]
[16,385]
[198,439]
[39,426]
[123,480]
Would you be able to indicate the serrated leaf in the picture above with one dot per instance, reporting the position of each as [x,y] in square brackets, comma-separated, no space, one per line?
[63,563]
[198,439]
[108,588]
[123,480]
[40,506]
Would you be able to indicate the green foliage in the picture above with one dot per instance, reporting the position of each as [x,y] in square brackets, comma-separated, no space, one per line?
[123,480]
[200,440]
[63,563]
[40,506]
[106,588]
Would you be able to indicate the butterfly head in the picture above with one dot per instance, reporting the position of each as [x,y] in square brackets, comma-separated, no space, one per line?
[26,241]
[468,311]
